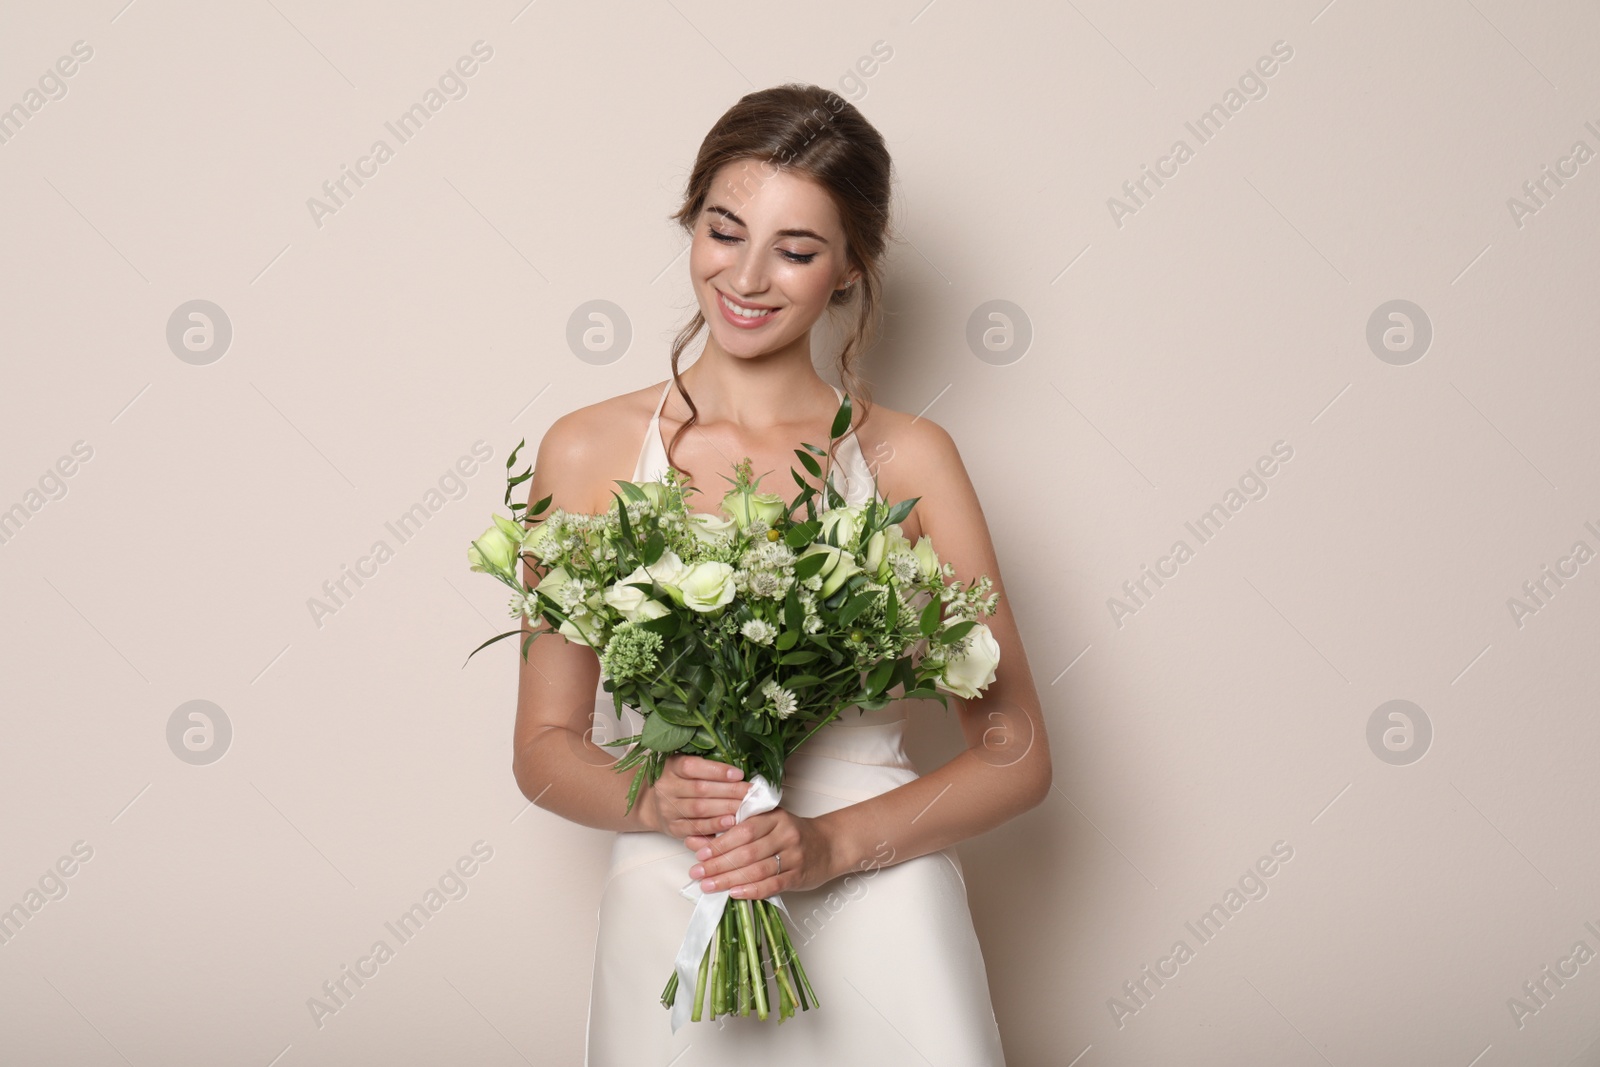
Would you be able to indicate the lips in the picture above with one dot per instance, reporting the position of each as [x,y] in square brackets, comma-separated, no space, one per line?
[743,315]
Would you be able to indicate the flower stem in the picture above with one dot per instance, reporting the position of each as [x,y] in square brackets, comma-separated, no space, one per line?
[747,928]
[700,984]
[779,939]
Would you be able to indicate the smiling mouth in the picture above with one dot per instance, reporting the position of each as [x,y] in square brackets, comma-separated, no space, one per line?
[742,312]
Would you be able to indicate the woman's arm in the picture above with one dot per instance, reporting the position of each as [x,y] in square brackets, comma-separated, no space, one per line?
[1006,767]
[556,764]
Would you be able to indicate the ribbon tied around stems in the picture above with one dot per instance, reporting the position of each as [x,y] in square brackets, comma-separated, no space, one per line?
[761,796]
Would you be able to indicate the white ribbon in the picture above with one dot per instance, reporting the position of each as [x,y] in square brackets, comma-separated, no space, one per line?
[761,796]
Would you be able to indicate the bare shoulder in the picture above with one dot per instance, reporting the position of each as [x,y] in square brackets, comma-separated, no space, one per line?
[912,454]
[586,449]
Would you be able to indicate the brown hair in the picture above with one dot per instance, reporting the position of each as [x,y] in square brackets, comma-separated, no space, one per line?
[813,132]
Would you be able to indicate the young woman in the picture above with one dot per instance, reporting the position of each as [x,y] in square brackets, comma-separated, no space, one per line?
[787,208]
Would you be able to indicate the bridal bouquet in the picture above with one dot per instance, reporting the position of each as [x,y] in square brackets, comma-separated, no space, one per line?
[738,634]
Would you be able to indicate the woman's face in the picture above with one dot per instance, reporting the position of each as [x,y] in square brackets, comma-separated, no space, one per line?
[769,242]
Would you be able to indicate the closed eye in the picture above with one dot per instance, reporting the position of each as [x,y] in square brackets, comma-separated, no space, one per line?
[728,239]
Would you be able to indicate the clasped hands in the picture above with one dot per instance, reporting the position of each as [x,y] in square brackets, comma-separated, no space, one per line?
[695,800]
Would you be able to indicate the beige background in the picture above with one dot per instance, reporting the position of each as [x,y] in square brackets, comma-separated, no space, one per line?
[1168,353]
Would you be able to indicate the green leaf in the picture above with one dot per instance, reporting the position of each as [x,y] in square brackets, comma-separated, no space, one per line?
[653,547]
[809,463]
[784,642]
[878,677]
[659,735]
[891,610]
[675,712]
[793,613]
[841,418]
[901,510]
[627,527]
[633,491]
[930,617]
[856,605]
[665,625]
[804,655]
[800,681]
[809,566]
[955,633]
[802,533]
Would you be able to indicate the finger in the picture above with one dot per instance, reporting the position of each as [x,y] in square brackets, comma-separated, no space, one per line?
[734,860]
[700,767]
[706,787]
[698,829]
[757,881]
[752,829]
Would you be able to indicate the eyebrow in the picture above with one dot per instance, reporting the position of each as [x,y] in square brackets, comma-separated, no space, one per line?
[730,216]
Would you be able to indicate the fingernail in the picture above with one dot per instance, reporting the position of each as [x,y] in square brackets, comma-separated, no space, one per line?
[703,854]
[727,820]
[708,885]
[734,772]
[696,871]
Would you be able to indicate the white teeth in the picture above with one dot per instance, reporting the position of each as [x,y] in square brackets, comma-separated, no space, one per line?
[744,313]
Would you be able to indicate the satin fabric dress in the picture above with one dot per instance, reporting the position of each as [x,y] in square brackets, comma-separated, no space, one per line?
[890,950]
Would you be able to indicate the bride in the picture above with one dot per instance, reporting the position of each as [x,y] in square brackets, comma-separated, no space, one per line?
[787,209]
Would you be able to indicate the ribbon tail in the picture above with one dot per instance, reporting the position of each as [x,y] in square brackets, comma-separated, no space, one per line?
[702,927]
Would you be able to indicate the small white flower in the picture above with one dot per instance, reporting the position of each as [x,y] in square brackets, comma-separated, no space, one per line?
[760,631]
[783,701]
[525,605]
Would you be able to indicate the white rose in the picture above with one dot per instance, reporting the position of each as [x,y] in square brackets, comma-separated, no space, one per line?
[965,674]
[709,527]
[650,609]
[927,559]
[625,597]
[847,521]
[882,545]
[746,506]
[707,586]
[837,568]
[667,571]
[494,552]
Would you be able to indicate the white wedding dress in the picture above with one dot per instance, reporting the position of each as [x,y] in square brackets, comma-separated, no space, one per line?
[890,951]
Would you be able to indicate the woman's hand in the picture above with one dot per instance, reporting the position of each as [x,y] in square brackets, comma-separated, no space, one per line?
[694,795]
[741,859]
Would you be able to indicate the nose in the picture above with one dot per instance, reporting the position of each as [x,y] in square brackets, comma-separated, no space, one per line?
[750,272]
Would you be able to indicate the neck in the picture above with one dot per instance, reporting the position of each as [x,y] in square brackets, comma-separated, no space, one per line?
[755,391]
